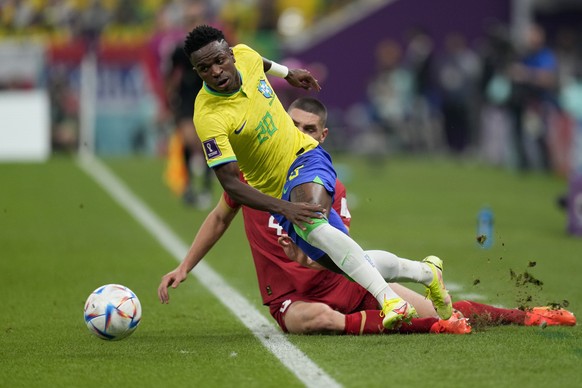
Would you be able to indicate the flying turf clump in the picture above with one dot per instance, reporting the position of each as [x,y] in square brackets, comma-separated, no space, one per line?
[524,279]
[523,282]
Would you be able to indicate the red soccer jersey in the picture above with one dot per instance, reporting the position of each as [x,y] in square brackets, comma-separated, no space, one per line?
[276,274]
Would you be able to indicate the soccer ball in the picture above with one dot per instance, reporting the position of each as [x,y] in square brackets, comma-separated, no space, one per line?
[112,312]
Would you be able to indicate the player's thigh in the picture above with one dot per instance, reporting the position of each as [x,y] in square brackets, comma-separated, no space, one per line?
[423,306]
[308,317]
[312,192]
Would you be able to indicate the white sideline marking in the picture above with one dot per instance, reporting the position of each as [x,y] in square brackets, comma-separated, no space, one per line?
[271,337]
[457,293]
[471,296]
[453,287]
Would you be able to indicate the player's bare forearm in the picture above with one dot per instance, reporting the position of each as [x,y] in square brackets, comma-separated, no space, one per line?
[211,230]
[297,213]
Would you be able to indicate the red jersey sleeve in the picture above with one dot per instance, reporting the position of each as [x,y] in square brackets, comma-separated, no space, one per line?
[229,201]
[340,203]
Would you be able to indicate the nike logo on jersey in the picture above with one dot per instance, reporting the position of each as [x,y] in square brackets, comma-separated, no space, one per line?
[237,131]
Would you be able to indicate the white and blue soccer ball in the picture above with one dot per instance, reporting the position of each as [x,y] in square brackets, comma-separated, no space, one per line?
[112,312]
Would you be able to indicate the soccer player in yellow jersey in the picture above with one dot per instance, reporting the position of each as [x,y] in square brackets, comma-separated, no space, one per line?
[243,127]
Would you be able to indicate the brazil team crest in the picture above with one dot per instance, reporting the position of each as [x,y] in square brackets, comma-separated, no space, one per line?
[265,89]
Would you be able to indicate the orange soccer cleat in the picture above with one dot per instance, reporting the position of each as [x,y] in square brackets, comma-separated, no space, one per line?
[456,324]
[549,316]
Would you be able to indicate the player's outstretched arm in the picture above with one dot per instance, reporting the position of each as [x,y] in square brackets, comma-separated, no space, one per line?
[300,78]
[211,230]
[299,213]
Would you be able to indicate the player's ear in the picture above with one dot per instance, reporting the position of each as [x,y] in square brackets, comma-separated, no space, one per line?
[323,135]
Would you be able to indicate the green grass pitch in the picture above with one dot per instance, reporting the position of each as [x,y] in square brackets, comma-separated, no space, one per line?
[61,236]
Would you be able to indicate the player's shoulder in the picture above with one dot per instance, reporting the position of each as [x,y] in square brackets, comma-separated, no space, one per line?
[242,48]
[207,110]
[242,51]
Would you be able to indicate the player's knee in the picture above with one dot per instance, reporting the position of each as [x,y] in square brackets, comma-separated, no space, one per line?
[310,227]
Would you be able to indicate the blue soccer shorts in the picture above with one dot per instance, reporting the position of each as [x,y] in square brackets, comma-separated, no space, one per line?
[313,166]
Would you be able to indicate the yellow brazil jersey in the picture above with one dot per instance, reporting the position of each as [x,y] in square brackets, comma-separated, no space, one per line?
[250,126]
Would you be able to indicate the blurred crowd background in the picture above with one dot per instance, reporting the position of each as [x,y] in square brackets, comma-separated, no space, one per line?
[499,81]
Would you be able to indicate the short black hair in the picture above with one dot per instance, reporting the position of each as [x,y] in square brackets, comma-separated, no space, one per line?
[200,36]
[311,105]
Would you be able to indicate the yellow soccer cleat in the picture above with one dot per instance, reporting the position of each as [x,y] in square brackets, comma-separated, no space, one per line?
[395,311]
[436,290]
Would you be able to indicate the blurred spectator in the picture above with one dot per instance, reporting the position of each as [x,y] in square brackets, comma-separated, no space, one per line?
[533,97]
[390,94]
[182,85]
[563,121]
[93,21]
[571,101]
[496,54]
[419,61]
[240,15]
[58,15]
[458,75]
[126,13]
[568,51]
[64,111]
[25,13]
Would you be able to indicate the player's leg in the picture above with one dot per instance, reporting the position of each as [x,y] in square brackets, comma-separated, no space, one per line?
[491,315]
[185,127]
[397,269]
[427,272]
[423,306]
[456,324]
[299,315]
[349,256]
[366,318]
[306,318]
[314,317]
[312,179]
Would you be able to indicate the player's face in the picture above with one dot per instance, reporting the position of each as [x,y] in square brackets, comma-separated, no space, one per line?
[215,65]
[309,123]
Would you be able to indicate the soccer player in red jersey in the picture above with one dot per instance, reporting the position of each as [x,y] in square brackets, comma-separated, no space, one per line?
[304,300]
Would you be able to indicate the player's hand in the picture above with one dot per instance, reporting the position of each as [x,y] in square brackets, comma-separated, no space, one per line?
[295,254]
[171,279]
[301,78]
[302,213]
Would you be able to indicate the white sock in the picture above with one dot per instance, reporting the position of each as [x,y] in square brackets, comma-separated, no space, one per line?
[396,269]
[351,259]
